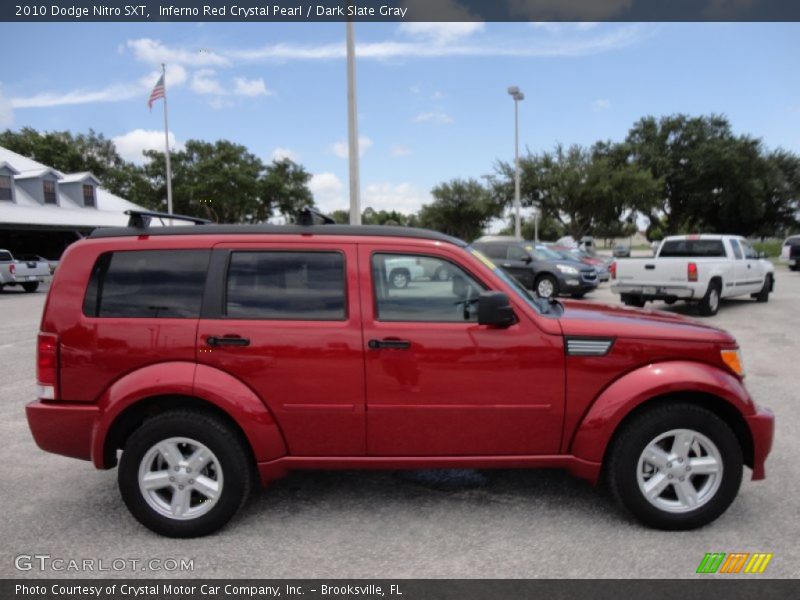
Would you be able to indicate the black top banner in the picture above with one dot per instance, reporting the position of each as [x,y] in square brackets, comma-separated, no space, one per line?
[398,10]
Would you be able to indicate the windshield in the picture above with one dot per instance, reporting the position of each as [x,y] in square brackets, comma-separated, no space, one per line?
[540,305]
[543,253]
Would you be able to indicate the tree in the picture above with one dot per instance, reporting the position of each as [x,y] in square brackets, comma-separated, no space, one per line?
[461,208]
[583,191]
[226,183]
[713,180]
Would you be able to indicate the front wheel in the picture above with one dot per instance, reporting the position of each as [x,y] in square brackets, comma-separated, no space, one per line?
[675,467]
[546,286]
[763,294]
[184,473]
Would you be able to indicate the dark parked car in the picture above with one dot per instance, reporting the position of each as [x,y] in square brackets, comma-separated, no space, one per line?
[540,269]
[622,251]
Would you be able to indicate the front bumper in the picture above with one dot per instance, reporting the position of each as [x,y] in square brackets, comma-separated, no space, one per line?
[571,284]
[762,430]
[62,428]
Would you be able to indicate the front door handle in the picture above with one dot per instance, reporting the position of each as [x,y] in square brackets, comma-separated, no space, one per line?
[389,344]
[227,340]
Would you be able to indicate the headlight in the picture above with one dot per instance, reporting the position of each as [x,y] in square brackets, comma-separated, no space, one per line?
[567,270]
[733,359]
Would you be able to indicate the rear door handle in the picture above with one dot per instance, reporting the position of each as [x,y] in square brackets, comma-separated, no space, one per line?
[389,344]
[227,340]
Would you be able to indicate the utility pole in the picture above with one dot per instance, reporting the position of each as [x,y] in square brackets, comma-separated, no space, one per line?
[518,96]
[352,128]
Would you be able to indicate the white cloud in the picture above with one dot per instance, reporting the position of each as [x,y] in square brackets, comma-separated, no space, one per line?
[438,117]
[155,52]
[250,87]
[131,145]
[437,95]
[399,150]
[342,150]
[6,110]
[402,197]
[281,153]
[441,33]
[601,104]
[111,93]
[205,82]
[176,76]
[327,190]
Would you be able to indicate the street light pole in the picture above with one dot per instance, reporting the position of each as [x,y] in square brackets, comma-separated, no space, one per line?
[517,96]
[352,128]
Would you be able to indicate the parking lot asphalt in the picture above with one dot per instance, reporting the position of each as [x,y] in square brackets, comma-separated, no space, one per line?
[487,524]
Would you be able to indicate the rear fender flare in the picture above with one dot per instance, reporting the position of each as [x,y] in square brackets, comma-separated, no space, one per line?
[190,380]
[630,391]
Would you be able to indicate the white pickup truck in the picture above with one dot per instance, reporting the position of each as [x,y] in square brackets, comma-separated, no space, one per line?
[695,268]
[28,274]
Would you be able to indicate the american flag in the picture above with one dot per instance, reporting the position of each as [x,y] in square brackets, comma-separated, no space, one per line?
[158,92]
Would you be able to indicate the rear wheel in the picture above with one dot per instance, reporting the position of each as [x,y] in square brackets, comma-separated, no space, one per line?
[675,467]
[184,473]
[30,287]
[709,305]
[763,295]
[442,273]
[629,300]
[546,286]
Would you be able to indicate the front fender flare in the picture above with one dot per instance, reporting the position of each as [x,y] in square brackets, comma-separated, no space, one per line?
[636,387]
[188,379]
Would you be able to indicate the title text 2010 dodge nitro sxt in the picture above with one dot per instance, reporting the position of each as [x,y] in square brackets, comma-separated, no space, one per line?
[204,358]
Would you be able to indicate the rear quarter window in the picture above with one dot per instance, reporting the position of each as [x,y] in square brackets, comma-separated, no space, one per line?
[692,249]
[147,284]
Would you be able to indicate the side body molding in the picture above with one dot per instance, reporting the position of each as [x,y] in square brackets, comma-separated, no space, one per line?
[189,379]
[629,391]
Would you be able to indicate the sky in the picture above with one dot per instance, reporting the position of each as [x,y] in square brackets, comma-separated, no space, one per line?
[432,98]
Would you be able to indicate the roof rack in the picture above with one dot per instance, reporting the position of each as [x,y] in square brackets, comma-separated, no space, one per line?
[140,219]
[311,216]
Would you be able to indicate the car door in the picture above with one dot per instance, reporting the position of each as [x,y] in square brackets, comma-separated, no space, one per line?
[518,264]
[739,271]
[285,319]
[753,279]
[440,384]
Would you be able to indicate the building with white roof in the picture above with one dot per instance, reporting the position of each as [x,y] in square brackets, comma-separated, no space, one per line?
[42,210]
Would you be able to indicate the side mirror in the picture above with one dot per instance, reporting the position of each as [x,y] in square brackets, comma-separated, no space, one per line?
[495,309]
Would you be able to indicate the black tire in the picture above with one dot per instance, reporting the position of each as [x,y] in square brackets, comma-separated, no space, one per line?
[399,278]
[670,301]
[546,282]
[442,273]
[709,305]
[30,287]
[629,300]
[636,434]
[763,295]
[235,462]
[794,267]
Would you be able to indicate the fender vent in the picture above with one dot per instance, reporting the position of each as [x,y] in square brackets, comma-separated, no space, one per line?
[588,346]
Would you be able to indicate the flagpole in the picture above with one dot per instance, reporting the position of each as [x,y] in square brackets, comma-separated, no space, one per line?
[166,141]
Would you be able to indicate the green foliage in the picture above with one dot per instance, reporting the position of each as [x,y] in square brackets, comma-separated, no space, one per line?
[461,208]
[771,248]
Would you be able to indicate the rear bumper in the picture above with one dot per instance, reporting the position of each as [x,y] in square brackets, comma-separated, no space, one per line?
[660,292]
[62,428]
[762,430]
[20,279]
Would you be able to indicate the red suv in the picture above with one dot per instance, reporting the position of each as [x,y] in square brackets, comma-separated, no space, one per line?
[205,358]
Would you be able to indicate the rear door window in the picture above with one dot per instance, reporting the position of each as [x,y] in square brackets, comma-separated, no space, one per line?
[147,284]
[286,285]
[737,249]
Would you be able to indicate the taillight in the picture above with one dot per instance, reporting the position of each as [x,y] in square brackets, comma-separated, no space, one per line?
[692,271]
[47,365]
[612,268]
[12,268]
